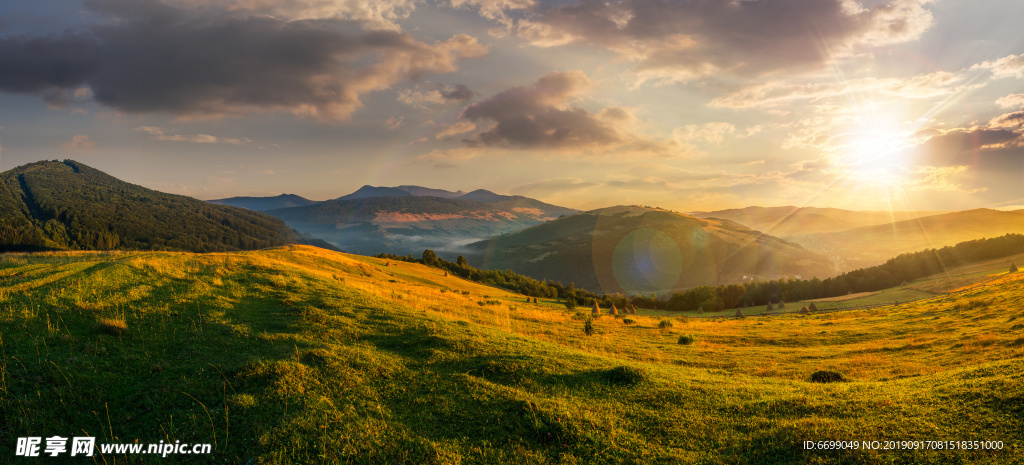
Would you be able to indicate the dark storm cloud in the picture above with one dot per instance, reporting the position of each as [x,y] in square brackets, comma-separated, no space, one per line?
[156,58]
[45,64]
[532,117]
[681,40]
[987,148]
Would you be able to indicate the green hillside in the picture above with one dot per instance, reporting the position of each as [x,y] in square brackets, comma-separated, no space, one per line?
[644,250]
[301,355]
[67,205]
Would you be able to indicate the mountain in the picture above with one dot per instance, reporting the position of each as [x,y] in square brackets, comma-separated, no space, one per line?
[52,205]
[486,196]
[403,224]
[792,221]
[870,245]
[643,250]
[367,192]
[265,203]
[428,192]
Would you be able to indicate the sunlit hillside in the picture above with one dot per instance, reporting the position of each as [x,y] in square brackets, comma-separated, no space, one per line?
[866,246]
[303,355]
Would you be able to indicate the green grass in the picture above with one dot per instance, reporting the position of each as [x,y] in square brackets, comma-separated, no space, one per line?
[301,355]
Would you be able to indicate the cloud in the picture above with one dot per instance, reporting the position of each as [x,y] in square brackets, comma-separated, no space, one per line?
[458,93]
[1008,66]
[447,158]
[1011,101]
[540,117]
[460,127]
[494,9]
[79,141]
[553,186]
[393,122]
[774,94]
[714,133]
[1008,120]
[379,14]
[209,63]
[989,148]
[933,178]
[685,40]
[160,134]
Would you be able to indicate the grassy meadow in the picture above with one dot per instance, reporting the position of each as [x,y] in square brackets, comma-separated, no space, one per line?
[301,355]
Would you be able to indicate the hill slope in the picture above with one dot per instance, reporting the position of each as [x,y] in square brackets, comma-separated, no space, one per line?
[871,245]
[68,205]
[301,355]
[639,249]
[265,203]
[409,224]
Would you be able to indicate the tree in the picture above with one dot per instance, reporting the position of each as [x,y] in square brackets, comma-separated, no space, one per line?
[430,258]
[461,262]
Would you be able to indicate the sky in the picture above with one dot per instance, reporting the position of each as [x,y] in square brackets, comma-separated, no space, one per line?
[686,105]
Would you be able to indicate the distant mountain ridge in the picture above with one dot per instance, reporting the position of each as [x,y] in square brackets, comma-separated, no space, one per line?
[265,203]
[871,245]
[53,205]
[394,220]
[643,250]
[793,221]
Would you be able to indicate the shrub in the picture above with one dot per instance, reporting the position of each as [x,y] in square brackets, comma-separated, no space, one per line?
[824,376]
[580,316]
[588,327]
[625,376]
[570,304]
[665,324]
[685,340]
[628,321]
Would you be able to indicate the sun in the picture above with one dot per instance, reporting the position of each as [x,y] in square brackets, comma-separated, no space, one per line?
[878,152]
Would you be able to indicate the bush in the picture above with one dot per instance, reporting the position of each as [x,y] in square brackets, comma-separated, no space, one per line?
[665,324]
[824,376]
[625,376]
[570,304]
[685,340]
[628,321]
[588,327]
[580,316]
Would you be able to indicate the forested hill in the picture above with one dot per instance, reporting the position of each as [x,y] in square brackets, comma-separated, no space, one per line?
[52,205]
[637,249]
